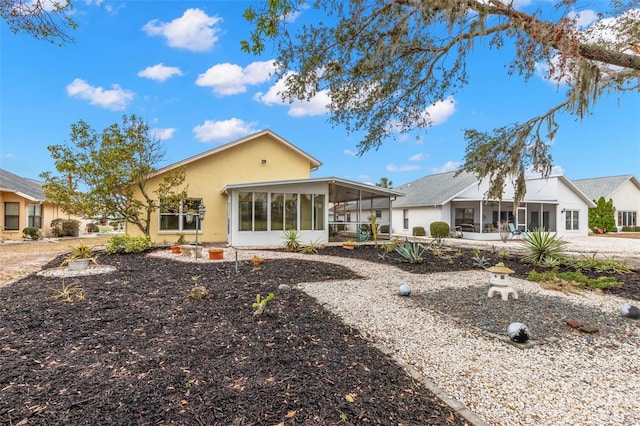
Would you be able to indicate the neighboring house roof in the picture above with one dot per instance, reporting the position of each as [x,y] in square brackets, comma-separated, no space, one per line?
[315,163]
[434,190]
[340,189]
[439,189]
[594,188]
[24,187]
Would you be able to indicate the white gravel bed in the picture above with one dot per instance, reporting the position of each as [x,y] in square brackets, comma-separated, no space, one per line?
[64,272]
[576,381]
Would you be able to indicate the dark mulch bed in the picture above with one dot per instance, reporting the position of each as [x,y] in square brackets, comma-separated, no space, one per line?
[450,262]
[135,350]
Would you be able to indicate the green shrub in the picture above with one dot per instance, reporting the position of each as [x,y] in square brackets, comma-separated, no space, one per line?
[128,244]
[602,216]
[65,227]
[31,232]
[636,228]
[542,247]
[419,231]
[439,229]
[628,228]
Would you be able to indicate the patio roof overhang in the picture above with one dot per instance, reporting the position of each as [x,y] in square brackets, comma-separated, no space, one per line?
[340,190]
[477,200]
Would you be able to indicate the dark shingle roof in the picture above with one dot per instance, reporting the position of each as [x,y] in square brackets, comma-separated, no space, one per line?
[434,190]
[594,188]
[26,187]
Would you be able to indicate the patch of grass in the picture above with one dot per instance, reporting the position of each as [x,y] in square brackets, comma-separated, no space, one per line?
[565,280]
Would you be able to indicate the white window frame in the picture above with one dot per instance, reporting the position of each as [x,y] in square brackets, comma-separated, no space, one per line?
[627,218]
[181,215]
[572,220]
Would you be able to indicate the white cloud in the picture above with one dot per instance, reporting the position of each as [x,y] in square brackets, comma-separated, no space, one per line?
[402,138]
[583,18]
[194,30]
[231,79]
[159,72]
[418,157]
[439,112]
[162,134]
[223,131]
[114,99]
[403,168]
[555,170]
[350,153]
[318,105]
[449,166]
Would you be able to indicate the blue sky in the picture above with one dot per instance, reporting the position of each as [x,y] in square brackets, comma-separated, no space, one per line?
[178,65]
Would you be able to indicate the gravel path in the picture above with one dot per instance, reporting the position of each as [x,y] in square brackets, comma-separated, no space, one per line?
[444,332]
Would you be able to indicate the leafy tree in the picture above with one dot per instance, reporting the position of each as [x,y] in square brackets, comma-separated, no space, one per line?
[385,183]
[602,216]
[384,62]
[110,173]
[43,19]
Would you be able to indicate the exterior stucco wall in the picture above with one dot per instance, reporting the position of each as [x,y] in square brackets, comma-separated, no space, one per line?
[627,198]
[418,216]
[569,200]
[49,212]
[207,176]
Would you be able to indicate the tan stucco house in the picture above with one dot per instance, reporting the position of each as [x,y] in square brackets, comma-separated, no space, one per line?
[253,190]
[22,205]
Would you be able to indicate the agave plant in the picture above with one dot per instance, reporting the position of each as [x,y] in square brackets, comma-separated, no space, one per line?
[542,247]
[411,251]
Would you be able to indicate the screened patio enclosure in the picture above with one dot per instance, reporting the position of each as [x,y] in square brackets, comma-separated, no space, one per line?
[259,213]
[481,219]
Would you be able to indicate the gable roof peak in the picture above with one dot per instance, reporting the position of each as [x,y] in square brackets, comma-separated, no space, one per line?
[314,163]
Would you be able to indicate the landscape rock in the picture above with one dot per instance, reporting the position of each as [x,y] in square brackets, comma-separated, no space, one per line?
[404,290]
[518,332]
[630,311]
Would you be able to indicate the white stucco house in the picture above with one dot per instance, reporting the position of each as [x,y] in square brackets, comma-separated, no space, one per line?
[554,204]
[624,190]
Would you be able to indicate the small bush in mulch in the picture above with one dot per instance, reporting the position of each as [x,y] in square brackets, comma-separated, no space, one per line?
[136,350]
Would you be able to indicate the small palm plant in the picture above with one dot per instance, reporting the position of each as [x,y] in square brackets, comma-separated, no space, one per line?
[542,247]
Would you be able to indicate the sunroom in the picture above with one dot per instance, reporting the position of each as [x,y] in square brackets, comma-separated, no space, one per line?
[259,213]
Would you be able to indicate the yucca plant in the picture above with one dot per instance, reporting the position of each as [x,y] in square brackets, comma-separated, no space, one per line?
[291,240]
[540,245]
